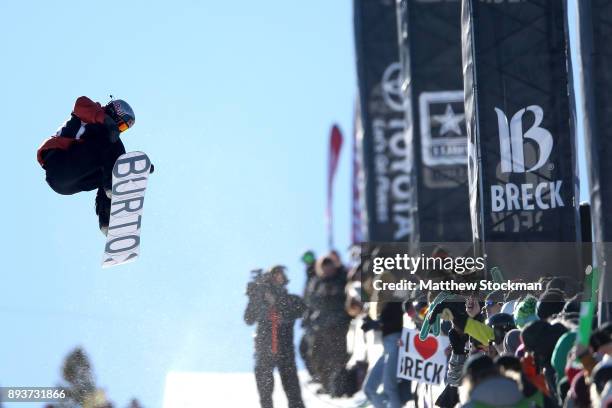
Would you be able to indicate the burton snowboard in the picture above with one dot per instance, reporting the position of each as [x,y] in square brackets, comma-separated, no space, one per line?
[130,175]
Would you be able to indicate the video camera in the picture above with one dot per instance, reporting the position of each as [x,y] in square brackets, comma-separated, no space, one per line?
[258,280]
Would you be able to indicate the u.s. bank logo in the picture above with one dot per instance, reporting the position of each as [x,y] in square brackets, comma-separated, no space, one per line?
[443,135]
[511,140]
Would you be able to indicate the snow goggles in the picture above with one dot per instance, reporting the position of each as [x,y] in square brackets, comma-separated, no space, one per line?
[122,126]
[489,303]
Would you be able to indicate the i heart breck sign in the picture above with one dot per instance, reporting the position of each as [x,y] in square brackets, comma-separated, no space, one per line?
[422,360]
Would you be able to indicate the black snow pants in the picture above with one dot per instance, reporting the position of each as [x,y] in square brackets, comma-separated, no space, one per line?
[328,354]
[264,367]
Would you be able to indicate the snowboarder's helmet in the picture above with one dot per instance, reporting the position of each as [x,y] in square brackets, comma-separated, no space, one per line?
[122,113]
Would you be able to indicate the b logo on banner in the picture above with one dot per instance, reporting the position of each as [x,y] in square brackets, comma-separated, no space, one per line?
[531,194]
[511,140]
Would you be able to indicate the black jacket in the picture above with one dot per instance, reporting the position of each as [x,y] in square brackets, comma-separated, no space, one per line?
[326,301]
[391,318]
[81,155]
[275,322]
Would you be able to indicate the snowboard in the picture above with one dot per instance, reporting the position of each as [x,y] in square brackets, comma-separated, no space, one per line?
[130,175]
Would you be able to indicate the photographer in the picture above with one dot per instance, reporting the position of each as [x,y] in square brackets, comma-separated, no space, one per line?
[275,311]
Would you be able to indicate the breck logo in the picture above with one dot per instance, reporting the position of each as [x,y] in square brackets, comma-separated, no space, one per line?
[527,196]
[511,140]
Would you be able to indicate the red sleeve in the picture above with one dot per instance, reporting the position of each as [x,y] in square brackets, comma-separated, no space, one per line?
[88,111]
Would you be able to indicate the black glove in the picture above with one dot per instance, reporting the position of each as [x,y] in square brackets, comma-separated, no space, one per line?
[113,129]
[454,311]
[370,324]
[457,341]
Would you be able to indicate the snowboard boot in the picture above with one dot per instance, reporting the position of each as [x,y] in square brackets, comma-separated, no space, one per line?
[103,206]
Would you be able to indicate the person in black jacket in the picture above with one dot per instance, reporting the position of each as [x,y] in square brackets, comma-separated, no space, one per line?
[274,311]
[384,371]
[309,260]
[328,321]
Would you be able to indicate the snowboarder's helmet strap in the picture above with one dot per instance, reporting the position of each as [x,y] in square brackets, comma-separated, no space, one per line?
[121,113]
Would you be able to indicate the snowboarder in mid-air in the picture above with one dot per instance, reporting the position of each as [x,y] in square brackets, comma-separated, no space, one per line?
[81,155]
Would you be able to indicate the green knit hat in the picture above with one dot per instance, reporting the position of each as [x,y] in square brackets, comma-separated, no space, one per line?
[525,311]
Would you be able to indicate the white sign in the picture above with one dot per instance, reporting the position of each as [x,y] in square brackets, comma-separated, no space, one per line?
[422,360]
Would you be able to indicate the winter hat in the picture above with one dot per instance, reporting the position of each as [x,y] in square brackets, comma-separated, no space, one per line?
[512,341]
[555,283]
[601,336]
[478,366]
[562,349]
[525,311]
[514,295]
[541,337]
[550,303]
[501,323]
[572,305]
[508,307]
[509,363]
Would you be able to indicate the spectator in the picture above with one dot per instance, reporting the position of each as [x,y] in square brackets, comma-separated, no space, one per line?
[274,311]
[485,385]
[305,347]
[384,371]
[501,323]
[512,341]
[493,303]
[329,321]
[550,304]
[540,338]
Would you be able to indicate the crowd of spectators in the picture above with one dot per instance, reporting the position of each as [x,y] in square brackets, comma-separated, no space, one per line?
[513,349]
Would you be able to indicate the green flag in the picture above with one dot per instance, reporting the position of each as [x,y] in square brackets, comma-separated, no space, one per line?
[587,307]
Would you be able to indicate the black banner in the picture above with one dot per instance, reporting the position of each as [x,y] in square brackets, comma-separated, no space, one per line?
[595,89]
[387,162]
[430,54]
[523,166]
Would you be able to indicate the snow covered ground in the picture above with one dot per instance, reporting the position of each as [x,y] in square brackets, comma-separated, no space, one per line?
[196,390]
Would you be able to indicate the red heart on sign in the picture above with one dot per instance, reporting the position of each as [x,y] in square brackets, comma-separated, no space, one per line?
[427,347]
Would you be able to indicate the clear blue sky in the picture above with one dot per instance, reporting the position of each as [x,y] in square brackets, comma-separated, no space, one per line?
[234,100]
